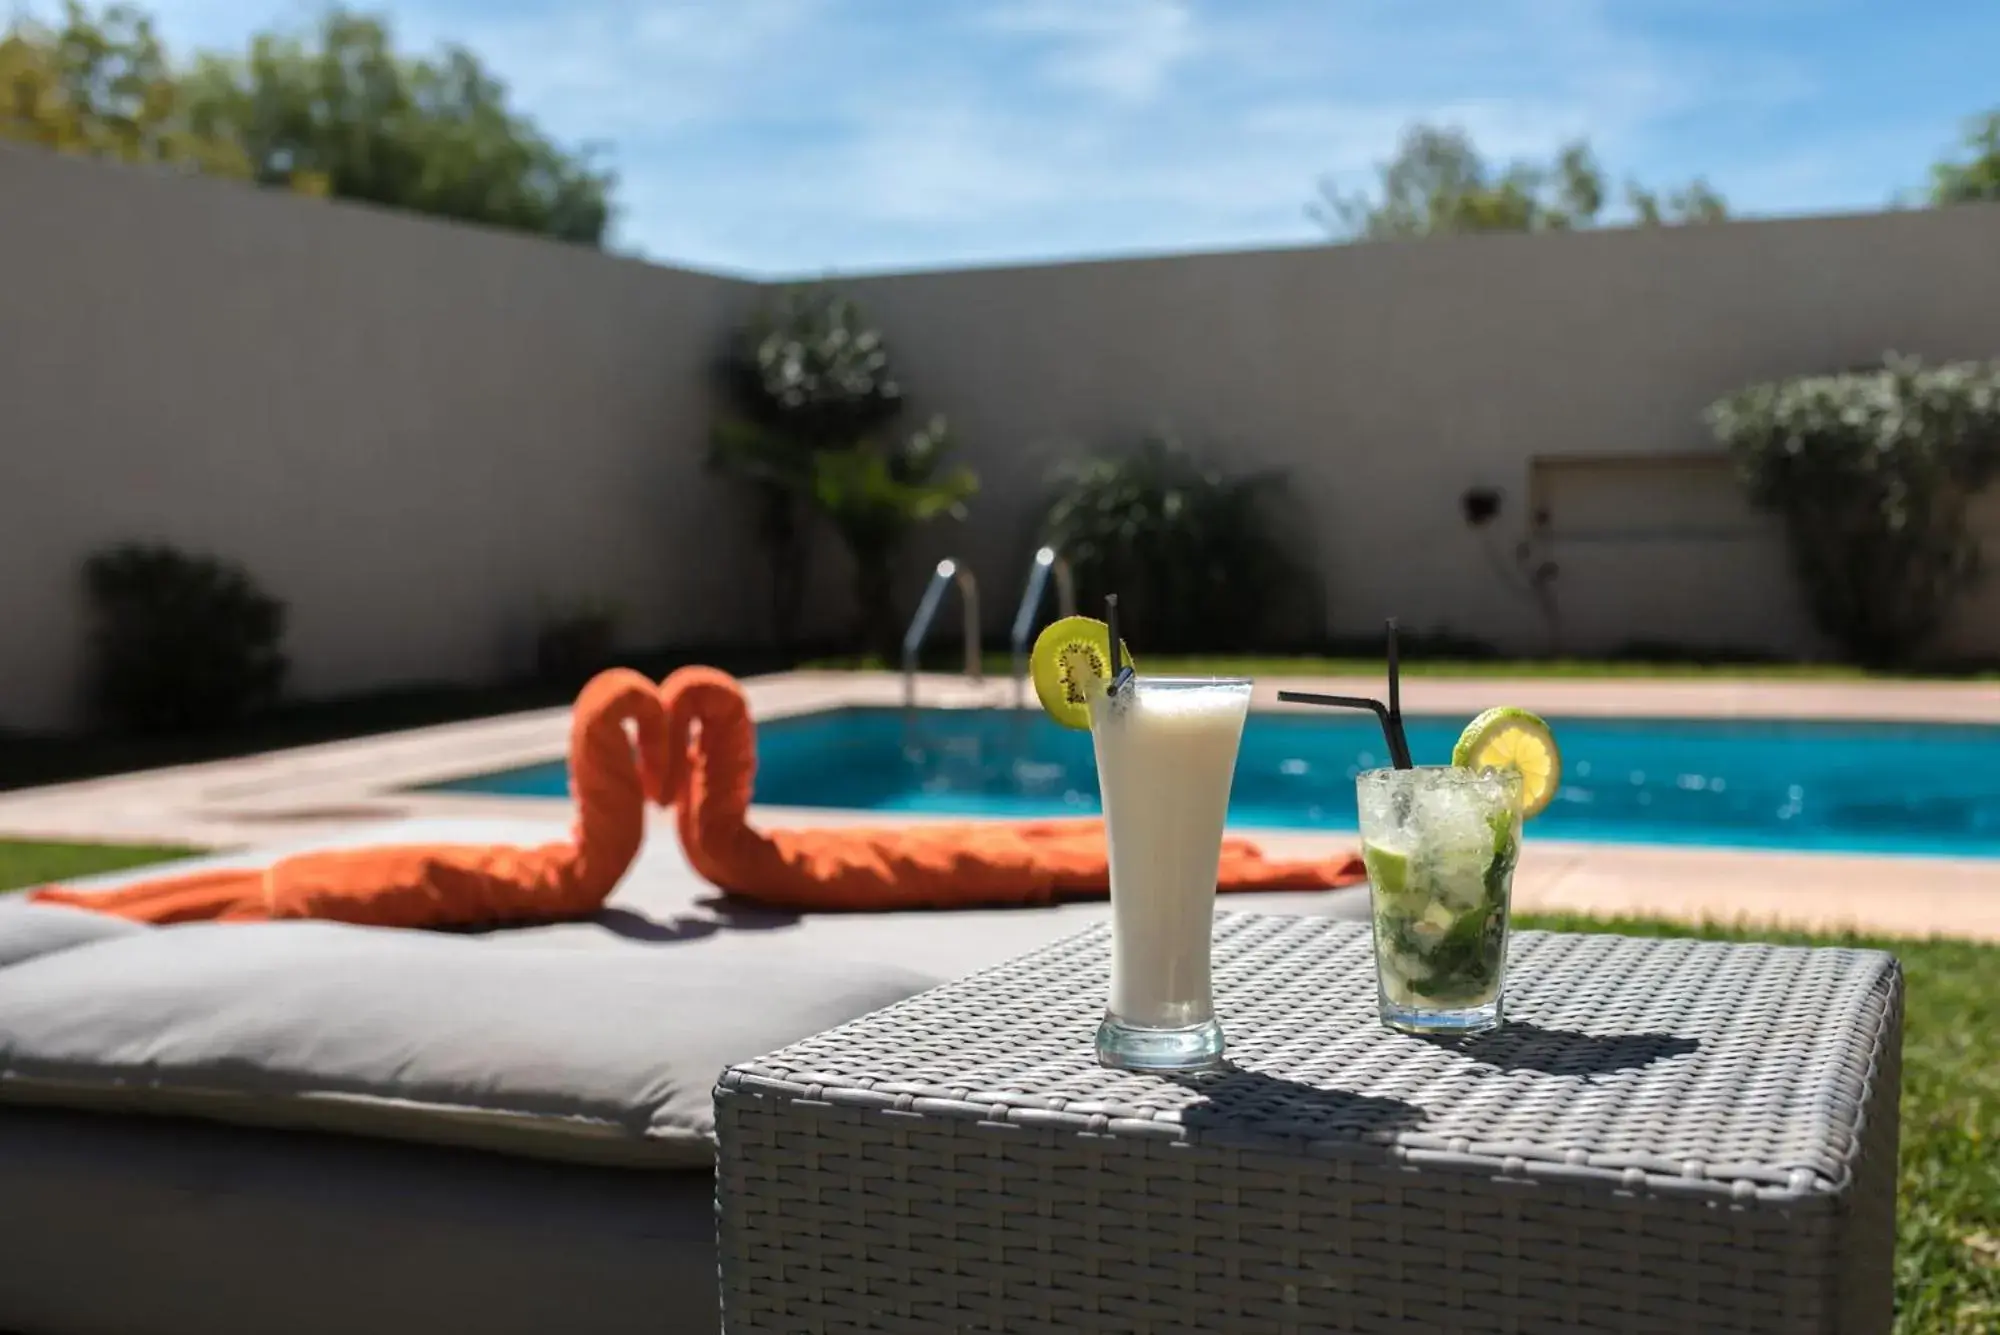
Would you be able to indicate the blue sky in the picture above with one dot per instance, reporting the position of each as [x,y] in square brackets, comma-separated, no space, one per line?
[785,137]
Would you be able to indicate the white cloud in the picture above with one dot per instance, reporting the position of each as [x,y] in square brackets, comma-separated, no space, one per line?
[944,165]
[1123,49]
[628,70]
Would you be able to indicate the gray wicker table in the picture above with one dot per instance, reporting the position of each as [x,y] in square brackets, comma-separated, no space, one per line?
[1668,1135]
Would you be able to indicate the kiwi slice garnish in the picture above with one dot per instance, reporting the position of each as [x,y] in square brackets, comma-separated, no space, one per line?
[1070,664]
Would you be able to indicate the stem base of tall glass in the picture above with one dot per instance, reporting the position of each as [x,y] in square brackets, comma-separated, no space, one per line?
[1130,1047]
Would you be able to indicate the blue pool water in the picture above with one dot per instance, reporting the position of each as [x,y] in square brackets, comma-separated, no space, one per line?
[1860,787]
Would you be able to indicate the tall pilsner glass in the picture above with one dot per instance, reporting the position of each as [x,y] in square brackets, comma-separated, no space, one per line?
[1166,752]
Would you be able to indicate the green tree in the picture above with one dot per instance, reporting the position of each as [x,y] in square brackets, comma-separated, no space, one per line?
[101,86]
[1439,184]
[337,113]
[1694,202]
[1978,178]
[342,112]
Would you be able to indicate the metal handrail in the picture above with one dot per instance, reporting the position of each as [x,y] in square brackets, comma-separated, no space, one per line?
[1047,562]
[948,572]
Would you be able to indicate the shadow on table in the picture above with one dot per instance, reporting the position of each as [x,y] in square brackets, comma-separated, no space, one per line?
[1238,1100]
[1529,1047]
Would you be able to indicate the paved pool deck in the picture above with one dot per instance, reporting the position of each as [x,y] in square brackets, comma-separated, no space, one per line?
[336,790]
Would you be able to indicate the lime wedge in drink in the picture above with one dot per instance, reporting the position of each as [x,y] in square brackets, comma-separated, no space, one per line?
[1388,869]
[1509,738]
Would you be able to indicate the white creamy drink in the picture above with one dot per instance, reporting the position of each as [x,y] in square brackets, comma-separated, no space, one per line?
[1166,751]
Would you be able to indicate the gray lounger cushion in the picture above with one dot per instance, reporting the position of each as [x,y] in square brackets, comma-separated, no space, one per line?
[28,930]
[605,1057]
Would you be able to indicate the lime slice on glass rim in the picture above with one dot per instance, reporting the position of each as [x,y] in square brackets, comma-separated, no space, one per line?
[1070,662]
[1506,737]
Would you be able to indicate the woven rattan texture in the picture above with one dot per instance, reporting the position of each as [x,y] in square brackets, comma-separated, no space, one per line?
[1668,1135]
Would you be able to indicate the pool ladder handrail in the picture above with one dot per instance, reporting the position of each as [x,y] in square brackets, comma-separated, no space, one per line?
[1048,561]
[948,573]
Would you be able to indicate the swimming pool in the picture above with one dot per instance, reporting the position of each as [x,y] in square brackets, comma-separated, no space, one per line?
[1856,787]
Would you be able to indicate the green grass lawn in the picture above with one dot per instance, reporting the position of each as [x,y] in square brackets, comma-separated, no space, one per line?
[1948,1215]
[25,864]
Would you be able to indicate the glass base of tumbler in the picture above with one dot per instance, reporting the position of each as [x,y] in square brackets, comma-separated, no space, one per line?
[1463,1020]
[1131,1047]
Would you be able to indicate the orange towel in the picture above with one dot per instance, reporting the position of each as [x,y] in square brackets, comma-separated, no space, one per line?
[696,752]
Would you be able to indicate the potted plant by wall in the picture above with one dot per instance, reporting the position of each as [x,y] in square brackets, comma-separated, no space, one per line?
[811,429]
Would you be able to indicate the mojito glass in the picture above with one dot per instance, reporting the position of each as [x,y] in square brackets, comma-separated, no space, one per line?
[1440,843]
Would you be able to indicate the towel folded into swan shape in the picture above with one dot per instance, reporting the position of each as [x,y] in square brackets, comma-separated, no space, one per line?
[692,747]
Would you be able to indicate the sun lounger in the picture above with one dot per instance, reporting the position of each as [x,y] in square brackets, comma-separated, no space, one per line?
[311,1127]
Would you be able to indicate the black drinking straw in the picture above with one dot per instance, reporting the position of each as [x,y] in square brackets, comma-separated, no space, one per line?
[1390,715]
[1121,671]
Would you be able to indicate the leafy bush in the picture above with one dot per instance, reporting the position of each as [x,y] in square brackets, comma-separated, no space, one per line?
[811,397]
[1872,472]
[181,642]
[1200,561]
